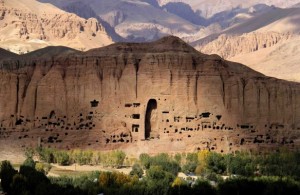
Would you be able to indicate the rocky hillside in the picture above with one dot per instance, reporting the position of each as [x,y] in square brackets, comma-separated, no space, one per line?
[228,46]
[154,97]
[210,8]
[137,21]
[146,20]
[28,25]
[259,43]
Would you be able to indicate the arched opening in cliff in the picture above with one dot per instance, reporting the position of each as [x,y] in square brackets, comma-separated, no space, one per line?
[150,117]
[52,114]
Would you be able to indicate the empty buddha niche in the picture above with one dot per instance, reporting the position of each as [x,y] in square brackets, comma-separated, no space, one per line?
[151,120]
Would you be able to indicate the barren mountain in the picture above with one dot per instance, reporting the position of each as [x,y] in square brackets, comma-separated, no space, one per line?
[228,46]
[28,25]
[154,97]
[281,60]
[139,20]
[259,43]
[84,10]
[144,20]
[209,8]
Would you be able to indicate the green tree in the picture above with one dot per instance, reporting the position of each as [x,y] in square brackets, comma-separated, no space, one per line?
[87,157]
[165,162]
[43,167]
[29,162]
[118,158]
[62,157]
[178,158]
[33,177]
[137,170]
[158,180]
[191,163]
[19,185]
[145,160]
[7,173]
[240,164]
[203,187]
[46,154]
[180,186]
[40,167]
[216,162]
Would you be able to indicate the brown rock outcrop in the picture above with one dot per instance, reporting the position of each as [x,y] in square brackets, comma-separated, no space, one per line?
[146,97]
[28,25]
[228,46]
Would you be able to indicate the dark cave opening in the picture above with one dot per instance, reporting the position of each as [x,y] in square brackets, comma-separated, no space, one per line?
[152,105]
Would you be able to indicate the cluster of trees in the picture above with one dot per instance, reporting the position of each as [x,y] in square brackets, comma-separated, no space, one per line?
[166,162]
[31,180]
[113,159]
[277,173]
[158,175]
[204,163]
[209,164]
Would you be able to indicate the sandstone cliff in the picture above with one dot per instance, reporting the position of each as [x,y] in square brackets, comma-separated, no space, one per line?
[28,25]
[228,46]
[145,97]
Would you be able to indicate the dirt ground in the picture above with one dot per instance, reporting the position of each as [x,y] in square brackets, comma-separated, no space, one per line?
[14,154]
[76,170]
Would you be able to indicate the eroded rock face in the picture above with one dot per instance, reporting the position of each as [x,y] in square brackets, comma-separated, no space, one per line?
[28,25]
[152,97]
[229,46]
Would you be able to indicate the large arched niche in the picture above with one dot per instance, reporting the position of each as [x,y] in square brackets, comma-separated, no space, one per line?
[150,118]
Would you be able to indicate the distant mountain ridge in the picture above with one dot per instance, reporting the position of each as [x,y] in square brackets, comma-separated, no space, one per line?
[209,8]
[146,20]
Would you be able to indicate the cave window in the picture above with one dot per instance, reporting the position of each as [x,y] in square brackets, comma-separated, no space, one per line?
[136,116]
[242,141]
[94,103]
[244,126]
[135,128]
[205,115]
[136,105]
[19,122]
[128,105]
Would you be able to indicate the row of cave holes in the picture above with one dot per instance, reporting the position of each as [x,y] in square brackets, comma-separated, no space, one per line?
[81,127]
[116,141]
[212,148]
[119,138]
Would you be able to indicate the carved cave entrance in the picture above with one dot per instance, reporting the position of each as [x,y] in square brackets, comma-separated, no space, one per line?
[149,118]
